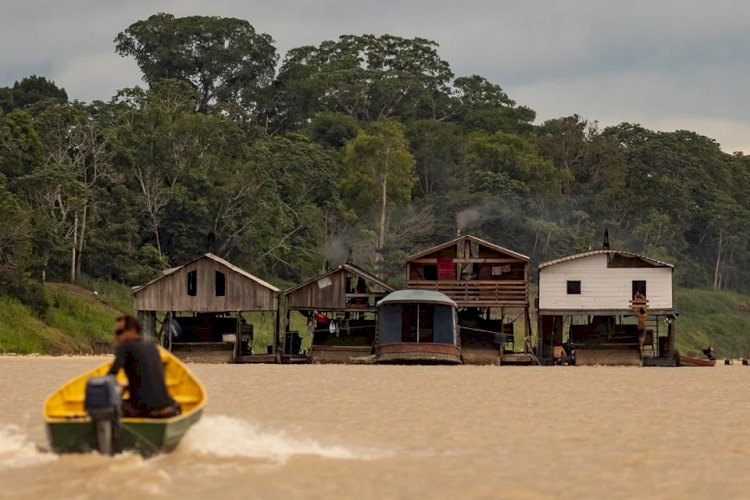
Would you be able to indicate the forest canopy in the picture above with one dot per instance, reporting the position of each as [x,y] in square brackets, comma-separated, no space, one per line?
[363,149]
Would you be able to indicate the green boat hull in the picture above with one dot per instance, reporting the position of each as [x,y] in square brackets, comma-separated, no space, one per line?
[145,437]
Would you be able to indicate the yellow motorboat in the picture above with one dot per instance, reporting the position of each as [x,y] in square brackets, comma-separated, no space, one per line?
[71,428]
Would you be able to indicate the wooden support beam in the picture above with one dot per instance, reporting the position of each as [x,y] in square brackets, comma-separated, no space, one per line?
[470,260]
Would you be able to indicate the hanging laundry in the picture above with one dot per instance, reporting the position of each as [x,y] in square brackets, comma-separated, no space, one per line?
[446,269]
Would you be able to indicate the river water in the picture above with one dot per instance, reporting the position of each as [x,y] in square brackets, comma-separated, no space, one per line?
[325,431]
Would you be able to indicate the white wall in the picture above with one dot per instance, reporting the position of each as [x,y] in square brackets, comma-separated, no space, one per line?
[602,287]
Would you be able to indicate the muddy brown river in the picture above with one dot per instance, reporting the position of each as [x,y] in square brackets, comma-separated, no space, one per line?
[325,431]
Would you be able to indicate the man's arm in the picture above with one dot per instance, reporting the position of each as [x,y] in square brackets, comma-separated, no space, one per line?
[119,361]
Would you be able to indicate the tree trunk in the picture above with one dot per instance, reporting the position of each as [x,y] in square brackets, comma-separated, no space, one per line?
[383,203]
[74,249]
[158,239]
[79,256]
[205,99]
[718,262]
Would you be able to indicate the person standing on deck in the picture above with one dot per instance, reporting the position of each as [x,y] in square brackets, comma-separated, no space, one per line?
[141,361]
[639,301]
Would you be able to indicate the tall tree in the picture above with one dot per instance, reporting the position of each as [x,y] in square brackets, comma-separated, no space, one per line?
[366,77]
[78,161]
[166,141]
[225,59]
[378,172]
[34,89]
[479,104]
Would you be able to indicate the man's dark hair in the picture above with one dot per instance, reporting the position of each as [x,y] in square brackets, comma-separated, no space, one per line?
[129,323]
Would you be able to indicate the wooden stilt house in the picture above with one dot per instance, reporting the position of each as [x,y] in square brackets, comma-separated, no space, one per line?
[211,310]
[489,285]
[339,309]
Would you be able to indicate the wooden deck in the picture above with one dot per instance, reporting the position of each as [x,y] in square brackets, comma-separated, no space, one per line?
[479,293]
[325,354]
[481,355]
[609,356]
[259,358]
[203,352]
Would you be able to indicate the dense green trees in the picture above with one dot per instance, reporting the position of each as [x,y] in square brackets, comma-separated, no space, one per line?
[223,58]
[29,91]
[364,148]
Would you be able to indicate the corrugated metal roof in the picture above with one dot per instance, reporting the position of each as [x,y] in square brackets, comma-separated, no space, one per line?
[474,239]
[413,296]
[649,260]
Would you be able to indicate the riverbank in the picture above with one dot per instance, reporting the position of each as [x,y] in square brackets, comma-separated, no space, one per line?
[79,321]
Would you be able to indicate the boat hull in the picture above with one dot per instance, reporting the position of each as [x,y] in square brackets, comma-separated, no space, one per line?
[688,361]
[145,436]
[418,353]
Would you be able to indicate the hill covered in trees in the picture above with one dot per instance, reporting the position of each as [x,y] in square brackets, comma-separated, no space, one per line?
[364,148]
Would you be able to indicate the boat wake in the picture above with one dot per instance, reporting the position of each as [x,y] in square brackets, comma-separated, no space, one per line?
[17,451]
[229,437]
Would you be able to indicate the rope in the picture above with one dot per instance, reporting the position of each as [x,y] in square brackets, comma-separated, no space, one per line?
[479,330]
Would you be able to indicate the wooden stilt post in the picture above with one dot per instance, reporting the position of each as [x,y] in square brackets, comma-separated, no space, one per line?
[276,336]
[237,353]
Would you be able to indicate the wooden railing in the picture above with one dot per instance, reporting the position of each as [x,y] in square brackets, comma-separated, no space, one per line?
[477,293]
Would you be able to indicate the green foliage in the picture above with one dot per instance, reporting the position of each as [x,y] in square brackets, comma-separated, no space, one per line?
[366,77]
[333,130]
[505,164]
[21,148]
[30,91]
[483,105]
[223,58]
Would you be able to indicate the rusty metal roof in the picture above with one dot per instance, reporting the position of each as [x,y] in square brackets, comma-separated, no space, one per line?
[653,262]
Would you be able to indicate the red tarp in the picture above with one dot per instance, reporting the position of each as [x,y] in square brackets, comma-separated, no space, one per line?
[446,269]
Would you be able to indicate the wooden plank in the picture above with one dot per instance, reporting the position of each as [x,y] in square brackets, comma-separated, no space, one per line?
[472,260]
[468,282]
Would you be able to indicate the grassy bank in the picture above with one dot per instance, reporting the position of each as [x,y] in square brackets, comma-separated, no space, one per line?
[77,321]
[709,317]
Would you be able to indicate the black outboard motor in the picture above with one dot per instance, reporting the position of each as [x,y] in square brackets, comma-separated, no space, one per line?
[103,403]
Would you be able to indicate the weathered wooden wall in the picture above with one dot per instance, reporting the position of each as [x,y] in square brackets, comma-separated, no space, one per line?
[507,287]
[328,292]
[242,293]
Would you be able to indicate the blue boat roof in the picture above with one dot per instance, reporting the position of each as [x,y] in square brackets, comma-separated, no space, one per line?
[413,296]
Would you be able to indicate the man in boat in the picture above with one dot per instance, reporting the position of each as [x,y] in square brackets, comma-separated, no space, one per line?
[141,361]
[709,352]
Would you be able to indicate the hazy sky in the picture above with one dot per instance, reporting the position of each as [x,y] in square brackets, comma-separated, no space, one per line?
[666,64]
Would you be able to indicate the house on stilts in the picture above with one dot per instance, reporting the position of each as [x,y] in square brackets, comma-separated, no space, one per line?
[606,307]
[201,309]
[339,310]
[489,286]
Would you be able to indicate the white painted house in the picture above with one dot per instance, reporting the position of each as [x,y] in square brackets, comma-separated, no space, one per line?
[604,282]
